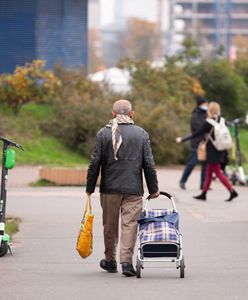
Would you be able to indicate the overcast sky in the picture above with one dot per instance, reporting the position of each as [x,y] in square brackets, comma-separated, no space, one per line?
[146,9]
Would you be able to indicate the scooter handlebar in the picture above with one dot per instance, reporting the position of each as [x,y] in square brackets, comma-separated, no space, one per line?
[9,142]
[236,121]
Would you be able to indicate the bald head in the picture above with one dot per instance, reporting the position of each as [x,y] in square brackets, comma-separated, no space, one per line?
[122,107]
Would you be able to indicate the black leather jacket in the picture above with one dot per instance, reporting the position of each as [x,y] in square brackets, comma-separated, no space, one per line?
[198,118]
[122,176]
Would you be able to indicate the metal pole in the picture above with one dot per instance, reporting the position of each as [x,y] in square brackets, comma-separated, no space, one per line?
[195,19]
[229,24]
[3,189]
[171,24]
[217,21]
[159,24]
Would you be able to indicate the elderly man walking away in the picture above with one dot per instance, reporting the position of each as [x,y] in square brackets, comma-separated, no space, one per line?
[122,151]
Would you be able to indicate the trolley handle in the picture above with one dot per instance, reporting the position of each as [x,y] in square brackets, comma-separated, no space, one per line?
[164,194]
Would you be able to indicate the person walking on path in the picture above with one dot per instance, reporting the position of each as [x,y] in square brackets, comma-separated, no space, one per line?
[198,117]
[214,156]
[122,151]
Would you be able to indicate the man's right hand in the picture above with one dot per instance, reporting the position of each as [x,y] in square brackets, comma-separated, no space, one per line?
[155,195]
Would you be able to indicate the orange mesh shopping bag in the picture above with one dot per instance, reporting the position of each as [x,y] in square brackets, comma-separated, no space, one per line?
[85,236]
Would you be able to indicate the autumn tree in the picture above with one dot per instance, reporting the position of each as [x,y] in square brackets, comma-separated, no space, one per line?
[142,39]
[31,82]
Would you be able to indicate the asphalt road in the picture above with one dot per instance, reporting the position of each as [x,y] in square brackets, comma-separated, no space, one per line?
[45,264]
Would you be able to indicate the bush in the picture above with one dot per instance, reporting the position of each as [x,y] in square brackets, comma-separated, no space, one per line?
[224,85]
[81,109]
[28,83]
[241,67]
[163,100]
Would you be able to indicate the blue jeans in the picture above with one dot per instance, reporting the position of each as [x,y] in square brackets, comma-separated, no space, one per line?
[192,162]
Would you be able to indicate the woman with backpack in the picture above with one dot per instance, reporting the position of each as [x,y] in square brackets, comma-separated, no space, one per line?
[214,157]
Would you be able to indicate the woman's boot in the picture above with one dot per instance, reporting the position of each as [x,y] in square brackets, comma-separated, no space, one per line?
[202,196]
[233,194]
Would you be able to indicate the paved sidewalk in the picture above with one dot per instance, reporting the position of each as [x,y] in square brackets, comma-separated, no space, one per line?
[45,265]
[22,176]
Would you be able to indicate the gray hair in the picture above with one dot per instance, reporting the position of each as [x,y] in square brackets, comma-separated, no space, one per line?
[122,107]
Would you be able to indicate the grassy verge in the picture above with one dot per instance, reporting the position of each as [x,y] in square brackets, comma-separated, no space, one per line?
[12,226]
[244,147]
[48,151]
[39,148]
[42,182]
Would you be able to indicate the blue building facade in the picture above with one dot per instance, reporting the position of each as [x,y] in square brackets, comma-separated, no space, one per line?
[52,30]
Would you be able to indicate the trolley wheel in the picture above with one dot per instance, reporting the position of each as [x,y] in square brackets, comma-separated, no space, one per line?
[182,267]
[3,248]
[138,268]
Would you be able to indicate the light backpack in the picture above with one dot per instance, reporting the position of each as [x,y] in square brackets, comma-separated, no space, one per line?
[223,139]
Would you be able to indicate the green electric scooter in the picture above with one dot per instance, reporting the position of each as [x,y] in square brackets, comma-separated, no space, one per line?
[237,174]
[8,162]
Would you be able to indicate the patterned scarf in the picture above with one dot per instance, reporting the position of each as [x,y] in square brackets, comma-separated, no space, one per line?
[116,134]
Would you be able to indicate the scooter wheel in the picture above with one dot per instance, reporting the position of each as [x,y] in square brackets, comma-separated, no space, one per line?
[3,248]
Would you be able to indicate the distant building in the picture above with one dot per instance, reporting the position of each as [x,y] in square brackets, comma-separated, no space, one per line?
[216,21]
[117,79]
[113,34]
[94,14]
[112,48]
[119,12]
[52,30]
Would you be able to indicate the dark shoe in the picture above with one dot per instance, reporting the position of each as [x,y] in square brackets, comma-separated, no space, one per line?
[128,270]
[202,196]
[109,266]
[182,185]
[233,194]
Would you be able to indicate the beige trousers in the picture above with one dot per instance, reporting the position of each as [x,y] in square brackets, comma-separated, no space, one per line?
[129,207]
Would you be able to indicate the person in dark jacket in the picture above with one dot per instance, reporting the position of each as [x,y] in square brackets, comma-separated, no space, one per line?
[198,117]
[122,151]
[214,156]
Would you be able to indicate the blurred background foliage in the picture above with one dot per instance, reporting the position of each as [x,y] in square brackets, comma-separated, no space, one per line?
[56,113]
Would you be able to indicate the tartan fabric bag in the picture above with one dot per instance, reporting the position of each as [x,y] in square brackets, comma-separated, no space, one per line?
[159,232]
[158,212]
[85,236]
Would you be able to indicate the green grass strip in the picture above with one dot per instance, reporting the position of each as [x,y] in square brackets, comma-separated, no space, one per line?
[12,226]
[48,151]
[244,147]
